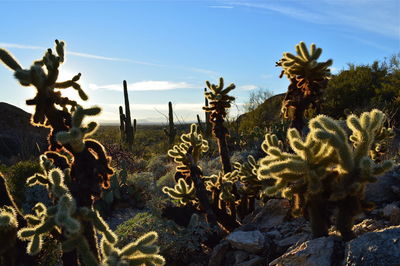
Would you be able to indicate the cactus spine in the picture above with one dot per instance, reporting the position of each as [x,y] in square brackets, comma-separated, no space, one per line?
[170,132]
[128,130]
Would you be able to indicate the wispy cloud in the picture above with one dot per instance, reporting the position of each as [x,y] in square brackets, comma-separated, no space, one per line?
[107,58]
[248,87]
[221,6]
[380,17]
[86,55]
[148,85]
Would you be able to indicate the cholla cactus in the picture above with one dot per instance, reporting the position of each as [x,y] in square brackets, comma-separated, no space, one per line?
[219,102]
[141,252]
[45,82]
[188,152]
[325,171]
[182,191]
[304,66]
[8,232]
[65,215]
[77,133]
[381,143]
[87,168]
[308,78]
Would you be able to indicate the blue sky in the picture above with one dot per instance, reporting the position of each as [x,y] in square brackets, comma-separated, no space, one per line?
[166,50]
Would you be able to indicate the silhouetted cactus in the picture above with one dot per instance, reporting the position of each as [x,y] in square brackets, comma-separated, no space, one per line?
[128,130]
[327,170]
[170,132]
[308,78]
[208,127]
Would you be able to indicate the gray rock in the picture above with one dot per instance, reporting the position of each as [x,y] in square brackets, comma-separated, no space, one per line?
[392,212]
[251,241]
[380,248]
[218,253]
[285,243]
[240,256]
[272,214]
[382,191]
[316,252]
[254,261]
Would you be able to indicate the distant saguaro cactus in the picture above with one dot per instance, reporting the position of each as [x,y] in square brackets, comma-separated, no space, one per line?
[308,79]
[128,130]
[208,126]
[170,132]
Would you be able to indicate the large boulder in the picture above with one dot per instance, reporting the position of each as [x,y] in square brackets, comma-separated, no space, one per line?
[378,248]
[323,251]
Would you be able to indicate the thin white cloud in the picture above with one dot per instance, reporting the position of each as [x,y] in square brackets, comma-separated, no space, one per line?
[148,85]
[86,55]
[221,6]
[106,58]
[380,17]
[248,87]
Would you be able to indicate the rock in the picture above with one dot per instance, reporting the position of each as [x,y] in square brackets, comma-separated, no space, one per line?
[251,241]
[218,253]
[255,261]
[392,212]
[272,214]
[240,256]
[316,252]
[369,225]
[275,234]
[285,243]
[381,191]
[375,248]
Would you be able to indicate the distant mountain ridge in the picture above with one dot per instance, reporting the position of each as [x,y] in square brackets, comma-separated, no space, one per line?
[19,140]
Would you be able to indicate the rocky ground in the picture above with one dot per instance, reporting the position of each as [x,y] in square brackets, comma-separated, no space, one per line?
[271,237]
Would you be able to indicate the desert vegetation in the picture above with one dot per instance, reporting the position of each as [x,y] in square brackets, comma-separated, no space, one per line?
[219,192]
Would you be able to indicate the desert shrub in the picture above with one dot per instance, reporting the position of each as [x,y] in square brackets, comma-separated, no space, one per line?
[159,165]
[179,245]
[15,176]
[143,183]
[166,180]
[363,87]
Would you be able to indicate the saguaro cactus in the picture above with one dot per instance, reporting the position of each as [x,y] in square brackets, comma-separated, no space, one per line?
[208,127]
[308,78]
[170,132]
[127,129]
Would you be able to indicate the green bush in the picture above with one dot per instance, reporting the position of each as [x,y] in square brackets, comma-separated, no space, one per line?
[15,179]
[179,245]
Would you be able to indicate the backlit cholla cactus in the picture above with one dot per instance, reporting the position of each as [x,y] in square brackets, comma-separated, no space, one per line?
[77,133]
[326,170]
[66,215]
[192,187]
[188,152]
[219,102]
[8,233]
[308,79]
